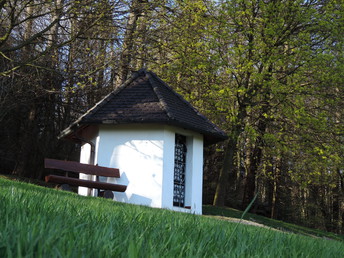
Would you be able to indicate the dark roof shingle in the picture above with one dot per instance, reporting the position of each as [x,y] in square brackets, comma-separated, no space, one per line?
[145,98]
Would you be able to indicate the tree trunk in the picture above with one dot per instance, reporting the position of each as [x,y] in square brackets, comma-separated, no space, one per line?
[255,160]
[336,209]
[136,10]
[27,143]
[227,168]
[26,132]
[228,163]
[272,186]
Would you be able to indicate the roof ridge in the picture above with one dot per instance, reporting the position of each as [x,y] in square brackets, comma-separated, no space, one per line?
[159,96]
[184,101]
[117,90]
[103,101]
[135,75]
[92,110]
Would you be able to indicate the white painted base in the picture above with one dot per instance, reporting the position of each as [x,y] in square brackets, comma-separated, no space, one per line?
[145,156]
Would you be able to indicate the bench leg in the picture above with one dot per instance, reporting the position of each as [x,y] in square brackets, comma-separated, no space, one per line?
[64,187]
[106,194]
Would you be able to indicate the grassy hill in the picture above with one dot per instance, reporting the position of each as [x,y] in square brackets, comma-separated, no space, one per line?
[42,222]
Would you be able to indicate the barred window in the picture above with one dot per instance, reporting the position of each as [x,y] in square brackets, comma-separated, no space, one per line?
[179,170]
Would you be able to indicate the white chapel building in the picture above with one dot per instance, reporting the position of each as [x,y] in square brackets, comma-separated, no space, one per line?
[154,137]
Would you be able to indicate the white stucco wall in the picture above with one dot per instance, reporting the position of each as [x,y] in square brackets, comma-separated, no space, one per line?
[138,152]
[195,174]
[85,158]
[144,155]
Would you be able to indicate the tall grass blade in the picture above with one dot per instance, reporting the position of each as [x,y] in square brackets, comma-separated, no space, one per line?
[243,215]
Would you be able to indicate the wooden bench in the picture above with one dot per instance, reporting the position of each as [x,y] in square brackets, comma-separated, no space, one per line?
[72,166]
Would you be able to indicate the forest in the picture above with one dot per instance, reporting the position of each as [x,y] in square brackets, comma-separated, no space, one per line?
[270,73]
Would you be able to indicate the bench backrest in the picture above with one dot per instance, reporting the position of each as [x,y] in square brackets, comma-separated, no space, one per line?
[77,167]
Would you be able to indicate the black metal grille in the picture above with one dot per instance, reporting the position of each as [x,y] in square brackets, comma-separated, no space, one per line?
[179,170]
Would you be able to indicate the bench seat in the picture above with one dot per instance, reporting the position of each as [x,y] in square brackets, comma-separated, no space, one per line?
[104,189]
[85,183]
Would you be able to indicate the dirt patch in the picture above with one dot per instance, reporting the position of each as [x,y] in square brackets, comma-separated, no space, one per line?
[256,224]
[243,221]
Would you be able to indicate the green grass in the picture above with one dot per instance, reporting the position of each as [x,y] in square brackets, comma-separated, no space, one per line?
[277,224]
[42,222]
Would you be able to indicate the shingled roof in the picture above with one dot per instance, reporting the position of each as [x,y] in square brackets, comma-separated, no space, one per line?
[145,98]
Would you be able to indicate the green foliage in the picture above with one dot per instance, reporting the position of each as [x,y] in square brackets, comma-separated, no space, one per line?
[39,222]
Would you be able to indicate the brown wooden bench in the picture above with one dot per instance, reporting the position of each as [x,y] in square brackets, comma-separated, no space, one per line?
[72,166]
